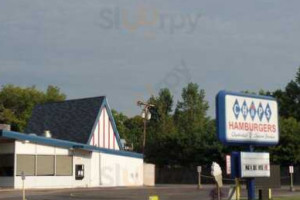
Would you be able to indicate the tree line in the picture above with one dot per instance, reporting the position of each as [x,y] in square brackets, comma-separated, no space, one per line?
[178,134]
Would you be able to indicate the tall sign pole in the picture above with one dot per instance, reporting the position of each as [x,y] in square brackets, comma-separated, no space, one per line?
[247,120]
[251,182]
[146,115]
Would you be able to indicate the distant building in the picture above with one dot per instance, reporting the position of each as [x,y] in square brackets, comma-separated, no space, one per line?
[74,143]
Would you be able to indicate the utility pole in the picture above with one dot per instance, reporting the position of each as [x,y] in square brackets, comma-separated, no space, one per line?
[146,115]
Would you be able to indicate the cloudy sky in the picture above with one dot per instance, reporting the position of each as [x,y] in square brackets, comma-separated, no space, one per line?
[129,49]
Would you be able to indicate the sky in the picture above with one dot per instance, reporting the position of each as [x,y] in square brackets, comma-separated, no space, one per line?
[129,49]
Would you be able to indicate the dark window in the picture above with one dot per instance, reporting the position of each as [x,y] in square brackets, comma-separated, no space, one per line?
[6,164]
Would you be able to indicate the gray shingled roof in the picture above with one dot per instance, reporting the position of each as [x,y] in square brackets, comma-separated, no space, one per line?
[71,120]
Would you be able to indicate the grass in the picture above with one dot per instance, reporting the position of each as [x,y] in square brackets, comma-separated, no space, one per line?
[288,198]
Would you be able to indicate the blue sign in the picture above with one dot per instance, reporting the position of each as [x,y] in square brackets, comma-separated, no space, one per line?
[247,119]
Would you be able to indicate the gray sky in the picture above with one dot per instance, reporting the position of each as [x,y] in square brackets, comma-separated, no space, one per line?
[128,49]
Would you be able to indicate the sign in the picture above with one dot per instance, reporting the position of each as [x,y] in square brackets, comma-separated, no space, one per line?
[254,164]
[23,176]
[247,119]
[228,164]
[291,169]
[199,169]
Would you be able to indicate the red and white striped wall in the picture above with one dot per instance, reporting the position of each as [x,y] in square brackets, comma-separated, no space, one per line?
[104,135]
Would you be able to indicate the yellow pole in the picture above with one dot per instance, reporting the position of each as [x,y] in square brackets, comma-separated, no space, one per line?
[270,193]
[238,189]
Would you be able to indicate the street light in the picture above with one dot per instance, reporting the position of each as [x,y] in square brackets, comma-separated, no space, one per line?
[146,115]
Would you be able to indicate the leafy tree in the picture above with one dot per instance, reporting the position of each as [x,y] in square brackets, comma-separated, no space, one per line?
[289,99]
[162,121]
[288,151]
[16,103]
[135,133]
[195,129]
[160,129]
[190,113]
[120,119]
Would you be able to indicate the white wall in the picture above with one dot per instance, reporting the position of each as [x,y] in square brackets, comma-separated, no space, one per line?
[120,170]
[101,169]
[95,169]
[82,158]
[149,174]
[79,157]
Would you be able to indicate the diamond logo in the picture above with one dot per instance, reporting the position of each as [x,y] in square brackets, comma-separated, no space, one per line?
[236,109]
[252,111]
[268,112]
[260,112]
[244,110]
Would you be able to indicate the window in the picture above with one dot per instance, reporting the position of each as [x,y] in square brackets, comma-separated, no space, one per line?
[26,164]
[6,164]
[79,169]
[45,165]
[64,165]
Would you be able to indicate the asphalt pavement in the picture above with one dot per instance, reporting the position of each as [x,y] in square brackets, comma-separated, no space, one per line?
[164,192]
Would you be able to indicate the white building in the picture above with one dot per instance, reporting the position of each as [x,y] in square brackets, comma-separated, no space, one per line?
[81,148]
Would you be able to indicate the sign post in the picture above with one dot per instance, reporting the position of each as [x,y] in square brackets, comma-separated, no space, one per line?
[251,182]
[248,120]
[199,170]
[23,186]
[291,171]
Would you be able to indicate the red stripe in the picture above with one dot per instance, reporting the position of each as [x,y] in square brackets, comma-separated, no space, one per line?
[99,133]
[109,134]
[103,128]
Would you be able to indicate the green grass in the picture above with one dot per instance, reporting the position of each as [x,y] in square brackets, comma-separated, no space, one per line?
[288,198]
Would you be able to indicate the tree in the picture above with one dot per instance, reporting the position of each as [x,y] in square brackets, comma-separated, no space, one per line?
[16,103]
[193,125]
[190,113]
[160,129]
[288,151]
[289,99]
[162,121]
[120,120]
[134,135]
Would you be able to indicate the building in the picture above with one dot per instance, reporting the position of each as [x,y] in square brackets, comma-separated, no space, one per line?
[74,143]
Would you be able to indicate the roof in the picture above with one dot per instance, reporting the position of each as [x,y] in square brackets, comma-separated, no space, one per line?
[64,144]
[71,120]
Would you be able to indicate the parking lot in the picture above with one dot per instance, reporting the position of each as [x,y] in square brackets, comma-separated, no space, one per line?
[165,192]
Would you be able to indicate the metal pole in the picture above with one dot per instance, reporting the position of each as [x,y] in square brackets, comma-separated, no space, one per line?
[23,189]
[199,180]
[251,182]
[144,138]
[219,192]
[292,183]
[251,189]
[238,189]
